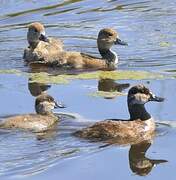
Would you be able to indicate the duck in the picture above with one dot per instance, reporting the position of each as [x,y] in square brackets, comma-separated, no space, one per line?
[41,48]
[139,127]
[43,120]
[107,37]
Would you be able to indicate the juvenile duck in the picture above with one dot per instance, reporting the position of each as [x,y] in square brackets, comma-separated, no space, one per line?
[40,47]
[138,128]
[42,121]
[106,39]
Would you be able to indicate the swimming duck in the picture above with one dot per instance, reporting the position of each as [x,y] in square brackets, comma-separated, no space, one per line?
[42,121]
[40,47]
[107,37]
[138,128]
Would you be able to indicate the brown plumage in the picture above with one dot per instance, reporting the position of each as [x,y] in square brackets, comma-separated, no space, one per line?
[38,26]
[140,127]
[32,122]
[42,121]
[106,39]
[119,131]
[40,47]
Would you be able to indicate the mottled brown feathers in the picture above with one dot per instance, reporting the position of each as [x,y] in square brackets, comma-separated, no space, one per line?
[138,128]
[124,132]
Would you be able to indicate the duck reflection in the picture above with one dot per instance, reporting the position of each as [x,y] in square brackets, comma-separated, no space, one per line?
[36,88]
[109,85]
[139,163]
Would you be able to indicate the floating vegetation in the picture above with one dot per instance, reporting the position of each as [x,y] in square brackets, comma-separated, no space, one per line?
[165,44]
[115,75]
[48,79]
[44,77]
[10,71]
[107,95]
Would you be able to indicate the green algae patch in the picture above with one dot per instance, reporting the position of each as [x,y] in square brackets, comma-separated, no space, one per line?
[165,44]
[47,78]
[118,75]
[106,95]
[10,71]
[44,77]
[115,75]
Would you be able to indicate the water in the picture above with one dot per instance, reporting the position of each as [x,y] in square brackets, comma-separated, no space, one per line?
[148,27]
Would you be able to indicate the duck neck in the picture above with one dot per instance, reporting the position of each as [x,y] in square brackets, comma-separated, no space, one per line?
[43,110]
[33,44]
[138,111]
[109,55]
[45,113]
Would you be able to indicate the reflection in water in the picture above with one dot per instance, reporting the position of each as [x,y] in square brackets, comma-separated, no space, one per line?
[36,88]
[109,85]
[78,22]
[139,163]
[57,145]
[47,135]
[109,88]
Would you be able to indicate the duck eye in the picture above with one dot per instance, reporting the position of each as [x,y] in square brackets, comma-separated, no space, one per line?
[110,34]
[35,30]
[133,92]
[51,100]
[146,91]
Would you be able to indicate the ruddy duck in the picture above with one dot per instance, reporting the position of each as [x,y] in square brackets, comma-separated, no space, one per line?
[42,121]
[106,39]
[138,128]
[40,47]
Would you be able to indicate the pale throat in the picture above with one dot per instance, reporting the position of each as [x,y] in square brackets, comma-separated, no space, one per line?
[115,56]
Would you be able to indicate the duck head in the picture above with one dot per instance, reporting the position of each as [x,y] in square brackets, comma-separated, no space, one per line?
[108,37]
[35,34]
[45,103]
[137,97]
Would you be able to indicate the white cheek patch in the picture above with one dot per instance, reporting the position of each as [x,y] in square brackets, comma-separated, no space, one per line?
[139,99]
[153,95]
[52,105]
[43,32]
[47,106]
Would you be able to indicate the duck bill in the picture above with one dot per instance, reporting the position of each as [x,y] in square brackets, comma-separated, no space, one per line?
[119,41]
[59,105]
[43,38]
[156,98]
